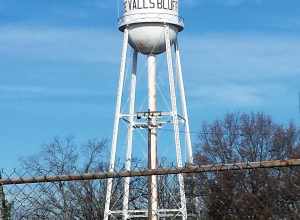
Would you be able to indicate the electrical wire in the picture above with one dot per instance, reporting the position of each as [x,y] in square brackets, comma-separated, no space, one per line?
[194,133]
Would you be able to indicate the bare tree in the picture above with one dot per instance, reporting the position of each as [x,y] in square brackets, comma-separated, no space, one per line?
[82,200]
[64,200]
[252,194]
[255,194]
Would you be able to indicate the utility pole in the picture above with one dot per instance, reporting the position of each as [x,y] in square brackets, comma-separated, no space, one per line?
[152,139]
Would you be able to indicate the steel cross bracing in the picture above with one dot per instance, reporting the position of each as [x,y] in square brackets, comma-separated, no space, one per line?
[150,120]
[162,213]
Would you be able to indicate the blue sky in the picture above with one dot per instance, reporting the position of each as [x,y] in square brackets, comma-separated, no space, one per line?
[60,61]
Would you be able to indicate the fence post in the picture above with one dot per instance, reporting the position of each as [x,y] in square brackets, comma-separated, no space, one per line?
[2,201]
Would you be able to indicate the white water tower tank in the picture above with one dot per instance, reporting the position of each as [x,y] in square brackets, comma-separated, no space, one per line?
[146,20]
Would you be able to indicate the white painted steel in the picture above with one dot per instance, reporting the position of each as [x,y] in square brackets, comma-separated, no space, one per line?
[145,20]
[116,124]
[142,213]
[184,108]
[150,11]
[184,104]
[152,148]
[130,135]
[151,28]
[148,38]
[175,121]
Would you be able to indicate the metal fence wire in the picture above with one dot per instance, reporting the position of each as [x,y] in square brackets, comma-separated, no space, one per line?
[240,191]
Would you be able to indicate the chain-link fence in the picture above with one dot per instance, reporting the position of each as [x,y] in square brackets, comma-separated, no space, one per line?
[84,199]
[239,191]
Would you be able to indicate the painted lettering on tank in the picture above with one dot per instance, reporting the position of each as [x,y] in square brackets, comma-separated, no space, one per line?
[159,4]
[130,5]
[152,4]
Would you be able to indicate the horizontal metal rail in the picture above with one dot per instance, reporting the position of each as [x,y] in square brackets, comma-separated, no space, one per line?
[159,172]
[145,16]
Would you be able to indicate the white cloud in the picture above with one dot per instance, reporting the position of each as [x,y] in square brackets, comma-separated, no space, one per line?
[243,56]
[246,70]
[230,3]
[36,90]
[238,2]
[102,3]
[98,3]
[22,93]
[221,67]
[228,93]
[59,44]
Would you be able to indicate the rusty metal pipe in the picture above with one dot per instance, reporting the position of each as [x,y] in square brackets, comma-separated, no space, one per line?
[161,171]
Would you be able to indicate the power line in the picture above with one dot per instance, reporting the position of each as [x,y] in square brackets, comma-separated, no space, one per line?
[197,133]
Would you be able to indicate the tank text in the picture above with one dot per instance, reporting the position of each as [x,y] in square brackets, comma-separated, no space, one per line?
[130,5]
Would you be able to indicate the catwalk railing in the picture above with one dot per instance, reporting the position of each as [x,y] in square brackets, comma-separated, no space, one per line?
[249,185]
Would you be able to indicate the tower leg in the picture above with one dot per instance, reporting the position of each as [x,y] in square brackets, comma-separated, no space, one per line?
[184,105]
[116,124]
[130,135]
[152,138]
[175,120]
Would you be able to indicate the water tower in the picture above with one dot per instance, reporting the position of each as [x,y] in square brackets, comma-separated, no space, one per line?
[150,27]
